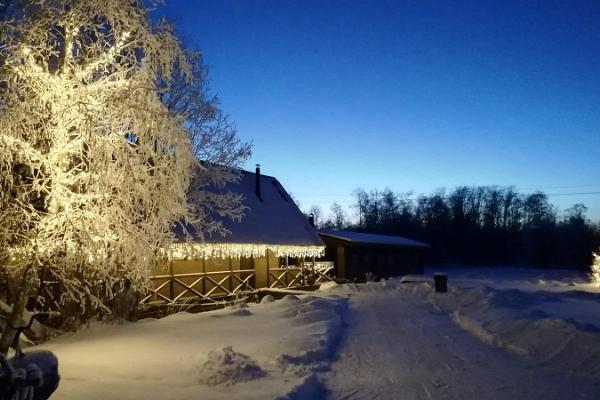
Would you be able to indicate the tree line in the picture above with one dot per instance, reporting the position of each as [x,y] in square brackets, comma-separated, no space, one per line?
[478,225]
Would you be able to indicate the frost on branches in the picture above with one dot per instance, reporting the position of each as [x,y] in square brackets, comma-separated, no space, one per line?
[595,269]
[94,168]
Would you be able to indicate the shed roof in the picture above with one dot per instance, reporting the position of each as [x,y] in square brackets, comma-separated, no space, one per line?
[371,238]
[273,219]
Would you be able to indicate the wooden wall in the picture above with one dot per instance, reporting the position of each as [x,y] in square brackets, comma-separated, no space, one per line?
[353,261]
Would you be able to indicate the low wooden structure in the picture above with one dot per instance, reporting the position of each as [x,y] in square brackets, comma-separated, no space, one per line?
[358,255]
[274,246]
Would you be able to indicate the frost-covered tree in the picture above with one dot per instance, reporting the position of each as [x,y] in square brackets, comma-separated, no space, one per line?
[595,269]
[94,168]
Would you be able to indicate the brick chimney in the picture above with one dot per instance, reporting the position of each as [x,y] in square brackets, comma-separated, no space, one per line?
[311,219]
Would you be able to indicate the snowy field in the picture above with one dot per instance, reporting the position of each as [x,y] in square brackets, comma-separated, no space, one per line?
[497,334]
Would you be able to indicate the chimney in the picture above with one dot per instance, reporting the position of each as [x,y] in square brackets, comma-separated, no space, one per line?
[258,194]
[311,219]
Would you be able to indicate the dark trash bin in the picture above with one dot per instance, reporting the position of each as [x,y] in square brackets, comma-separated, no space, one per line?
[441,282]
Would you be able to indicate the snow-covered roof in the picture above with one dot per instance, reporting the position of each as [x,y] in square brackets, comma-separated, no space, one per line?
[273,220]
[371,238]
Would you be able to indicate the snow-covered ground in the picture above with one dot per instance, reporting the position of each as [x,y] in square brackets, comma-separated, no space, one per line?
[475,342]
[256,351]
[497,334]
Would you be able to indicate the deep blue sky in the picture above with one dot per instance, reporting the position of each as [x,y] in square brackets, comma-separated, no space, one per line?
[410,95]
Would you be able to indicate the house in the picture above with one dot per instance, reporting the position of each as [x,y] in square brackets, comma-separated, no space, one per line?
[274,246]
[356,254]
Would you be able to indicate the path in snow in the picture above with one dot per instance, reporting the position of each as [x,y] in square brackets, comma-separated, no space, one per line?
[398,346]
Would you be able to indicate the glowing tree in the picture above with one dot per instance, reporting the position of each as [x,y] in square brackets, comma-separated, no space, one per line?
[595,273]
[94,168]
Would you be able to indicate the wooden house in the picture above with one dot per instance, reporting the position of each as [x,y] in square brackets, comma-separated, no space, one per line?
[273,246]
[355,254]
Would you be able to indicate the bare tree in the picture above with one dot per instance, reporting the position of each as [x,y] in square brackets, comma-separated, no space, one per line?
[215,143]
[338,216]
[316,212]
[362,200]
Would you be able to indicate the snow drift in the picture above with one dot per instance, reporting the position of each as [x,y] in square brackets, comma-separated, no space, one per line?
[254,351]
[548,322]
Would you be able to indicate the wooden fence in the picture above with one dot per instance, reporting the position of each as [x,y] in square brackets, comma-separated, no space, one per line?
[311,274]
[215,286]
[211,287]
[200,286]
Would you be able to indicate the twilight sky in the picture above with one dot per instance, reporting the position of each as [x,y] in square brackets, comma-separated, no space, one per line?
[410,95]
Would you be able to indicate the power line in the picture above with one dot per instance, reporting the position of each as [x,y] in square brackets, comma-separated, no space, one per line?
[558,187]
[415,197]
[572,194]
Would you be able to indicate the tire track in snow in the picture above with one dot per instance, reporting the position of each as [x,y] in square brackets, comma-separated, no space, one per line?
[397,346]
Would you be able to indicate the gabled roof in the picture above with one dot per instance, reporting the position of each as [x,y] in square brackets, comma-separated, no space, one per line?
[371,238]
[274,219]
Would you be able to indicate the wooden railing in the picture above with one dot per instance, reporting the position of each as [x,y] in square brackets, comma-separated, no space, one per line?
[200,286]
[289,277]
[323,271]
[210,287]
[310,274]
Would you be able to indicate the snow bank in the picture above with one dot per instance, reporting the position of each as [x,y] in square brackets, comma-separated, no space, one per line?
[522,278]
[327,286]
[313,351]
[550,318]
[254,351]
[557,328]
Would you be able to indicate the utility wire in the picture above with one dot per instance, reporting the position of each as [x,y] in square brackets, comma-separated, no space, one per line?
[414,197]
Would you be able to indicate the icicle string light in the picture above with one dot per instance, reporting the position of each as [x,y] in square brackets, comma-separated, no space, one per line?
[181,251]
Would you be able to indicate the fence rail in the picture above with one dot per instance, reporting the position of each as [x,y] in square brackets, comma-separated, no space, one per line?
[200,286]
[310,274]
[209,286]
[184,288]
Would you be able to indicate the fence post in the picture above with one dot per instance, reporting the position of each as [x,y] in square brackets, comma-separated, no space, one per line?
[203,276]
[230,276]
[171,297]
[268,269]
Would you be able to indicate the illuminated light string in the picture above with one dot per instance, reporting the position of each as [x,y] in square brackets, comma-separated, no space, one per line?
[180,251]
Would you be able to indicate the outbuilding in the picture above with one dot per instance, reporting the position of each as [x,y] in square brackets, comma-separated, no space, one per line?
[358,255]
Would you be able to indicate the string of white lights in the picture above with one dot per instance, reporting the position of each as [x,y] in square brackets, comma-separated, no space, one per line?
[181,251]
